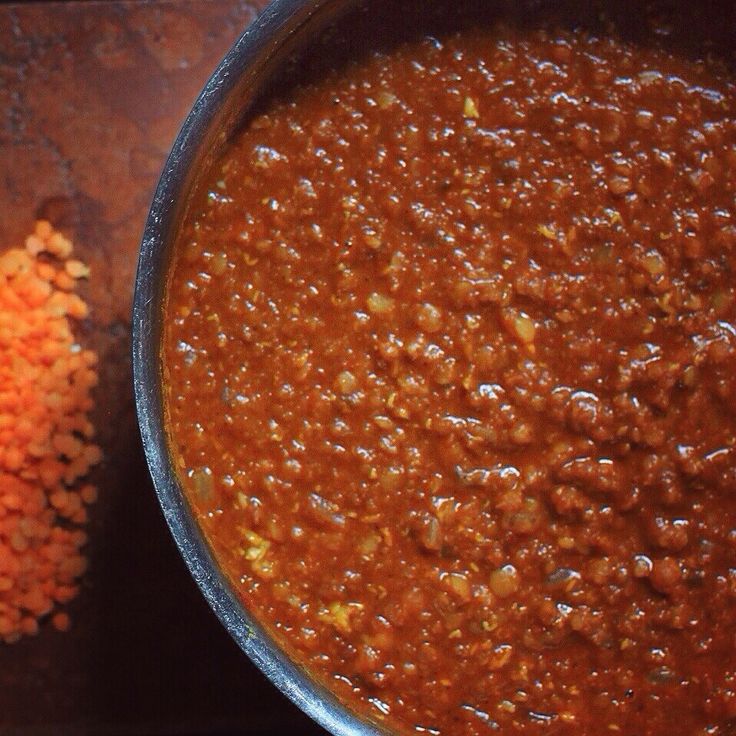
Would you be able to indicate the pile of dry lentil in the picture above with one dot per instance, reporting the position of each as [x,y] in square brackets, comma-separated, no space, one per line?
[46,446]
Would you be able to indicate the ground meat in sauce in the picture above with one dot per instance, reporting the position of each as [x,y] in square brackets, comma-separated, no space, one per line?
[451,364]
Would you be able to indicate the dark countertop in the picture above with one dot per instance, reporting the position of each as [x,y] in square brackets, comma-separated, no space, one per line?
[91,97]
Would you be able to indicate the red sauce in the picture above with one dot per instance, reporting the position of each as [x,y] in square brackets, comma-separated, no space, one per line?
[451,366]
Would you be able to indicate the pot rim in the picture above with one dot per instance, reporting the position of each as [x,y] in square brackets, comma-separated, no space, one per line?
[278,23]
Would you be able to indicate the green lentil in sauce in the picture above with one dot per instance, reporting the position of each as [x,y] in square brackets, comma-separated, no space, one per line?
[451,367]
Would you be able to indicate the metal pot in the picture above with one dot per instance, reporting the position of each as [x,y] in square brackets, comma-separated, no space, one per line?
[243,77]
[253,68]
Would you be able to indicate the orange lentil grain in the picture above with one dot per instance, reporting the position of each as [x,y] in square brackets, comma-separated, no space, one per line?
[64,281]
[88,494]
[77,269]
[43,229]
[61,622]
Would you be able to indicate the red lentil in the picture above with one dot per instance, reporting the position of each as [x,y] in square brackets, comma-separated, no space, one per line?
[45,434]
[451,364]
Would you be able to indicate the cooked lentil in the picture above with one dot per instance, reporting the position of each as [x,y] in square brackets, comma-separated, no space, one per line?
[451,366]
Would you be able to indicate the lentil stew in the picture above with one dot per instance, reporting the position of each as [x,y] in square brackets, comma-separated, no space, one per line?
[450,365]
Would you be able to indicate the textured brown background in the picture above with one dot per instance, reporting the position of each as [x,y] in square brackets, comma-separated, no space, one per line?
[91,97]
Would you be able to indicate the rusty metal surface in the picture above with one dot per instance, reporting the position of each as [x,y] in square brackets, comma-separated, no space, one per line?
[91,97]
